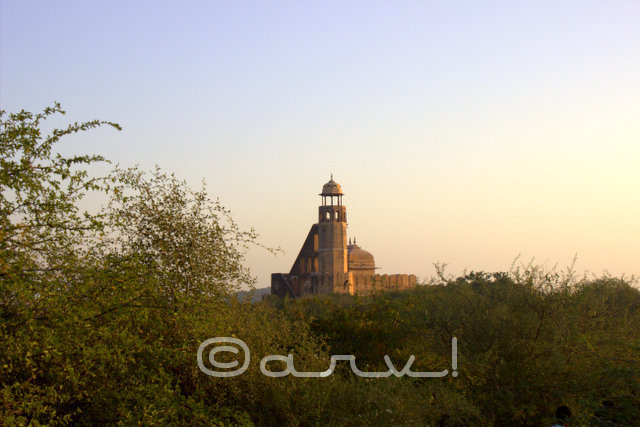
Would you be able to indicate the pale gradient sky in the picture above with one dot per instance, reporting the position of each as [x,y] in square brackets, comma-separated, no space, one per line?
[467,132]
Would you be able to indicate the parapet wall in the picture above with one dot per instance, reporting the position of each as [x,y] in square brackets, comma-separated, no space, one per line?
[363,284]
[325,283]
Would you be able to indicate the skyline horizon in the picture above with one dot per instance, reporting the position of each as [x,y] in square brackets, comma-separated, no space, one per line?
[573,266]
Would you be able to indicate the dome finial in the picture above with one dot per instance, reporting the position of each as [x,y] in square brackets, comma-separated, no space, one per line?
[331,188]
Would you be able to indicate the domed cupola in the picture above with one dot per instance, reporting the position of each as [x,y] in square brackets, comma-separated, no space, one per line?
[359,260]
[332,209]
[331,188]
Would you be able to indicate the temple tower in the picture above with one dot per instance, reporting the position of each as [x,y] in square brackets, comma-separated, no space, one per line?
[332,230]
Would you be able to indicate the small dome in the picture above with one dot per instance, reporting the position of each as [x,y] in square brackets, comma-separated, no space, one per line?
[359,259]
[331,188]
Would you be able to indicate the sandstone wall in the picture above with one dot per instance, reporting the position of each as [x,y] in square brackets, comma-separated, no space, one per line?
[325,283]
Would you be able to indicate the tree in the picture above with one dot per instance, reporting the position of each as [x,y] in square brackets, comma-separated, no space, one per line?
[101,314]
[39,189]
[40,221]
[42,233]
[187,242]
[39,192]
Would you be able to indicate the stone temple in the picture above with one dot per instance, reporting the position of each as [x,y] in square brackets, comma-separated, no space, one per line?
[327,264]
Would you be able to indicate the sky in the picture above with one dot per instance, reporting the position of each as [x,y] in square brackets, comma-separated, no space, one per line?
[464,132]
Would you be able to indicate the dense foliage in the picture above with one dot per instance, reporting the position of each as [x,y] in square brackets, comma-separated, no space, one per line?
[528,342]
[102,314]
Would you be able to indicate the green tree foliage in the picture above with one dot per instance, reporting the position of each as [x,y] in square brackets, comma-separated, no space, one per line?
[191,243]
[41,251]
[102,314]
[41,223]
[528,342]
